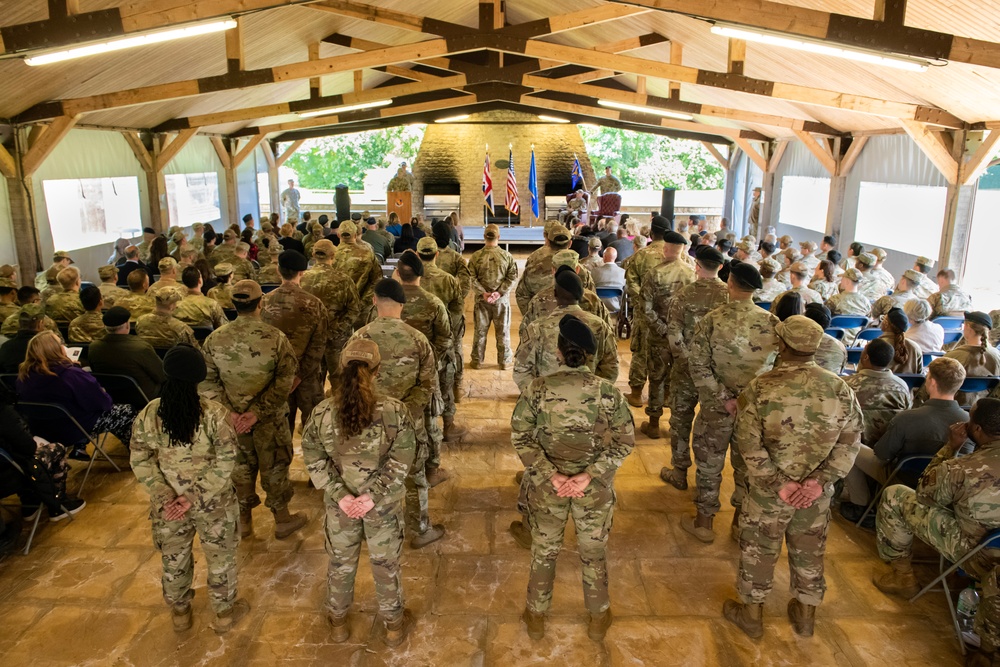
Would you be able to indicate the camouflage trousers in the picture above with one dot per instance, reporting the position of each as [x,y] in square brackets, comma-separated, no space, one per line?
[547,516]
[266,450]
[497,314]
[713,430]
[305,397]
[435,436]
[660,362]
[418,518]
[457,334]
[383,534]
[765,521]
[217,531]
[987,622]
[901,517]
[683,400]
[638,369]
[446,380]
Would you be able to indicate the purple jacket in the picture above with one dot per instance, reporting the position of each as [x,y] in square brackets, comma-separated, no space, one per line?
[73,388]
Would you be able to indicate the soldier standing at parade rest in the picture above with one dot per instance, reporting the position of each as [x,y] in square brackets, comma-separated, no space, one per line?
[252,370]
[449,290]
[572,430]
[359,262]
[493,273]
[798,429]
[357,448]
[340,296]
[183,452]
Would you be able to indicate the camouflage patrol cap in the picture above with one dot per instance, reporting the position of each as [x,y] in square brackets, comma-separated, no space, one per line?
[266,227]
[491,232]
[242,247]
[746,247]
[912,276]
[167,297]
[361,349]
[800,333]
[807,245]
[560,240]
[799,267]
[750,238]
[792,254]
[276,249]
[177,237]
[107,272]
[771,264]
[8,282]
[324,248]
[785,239]
[167,264]
[867,258]
[31,311]
[925,261]
[566,257]
[347,229]
[173,230]
[879,253]
[223,269]
[245,291]
[426,247]
[315,227]
[554,227]
[229,235]
[60,255]
[594,242]
[853,275]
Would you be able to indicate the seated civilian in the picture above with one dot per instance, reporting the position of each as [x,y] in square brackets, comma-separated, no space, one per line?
[882,394]
[30,321]
[132,263]
[622,244]
[916,432]
[119,353]
[406,240]
[89,326]
[926,334]
[196,309]
[609,274]
[909,358]
[48,376]
[160,328]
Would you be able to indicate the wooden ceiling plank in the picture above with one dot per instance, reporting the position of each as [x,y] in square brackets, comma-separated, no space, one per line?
[46,143]
[933,149]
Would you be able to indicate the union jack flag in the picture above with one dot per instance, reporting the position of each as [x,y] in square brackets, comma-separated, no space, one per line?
[488,183]
[511,203]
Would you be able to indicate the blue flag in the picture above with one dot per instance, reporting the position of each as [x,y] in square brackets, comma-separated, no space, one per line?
[577,172]
[533,184]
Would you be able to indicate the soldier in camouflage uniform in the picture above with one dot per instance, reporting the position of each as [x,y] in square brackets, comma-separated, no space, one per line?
[400,182]
[251,371]
[950,299]
[798,429]
[798,274]
[658,287]
[315,234]
[302,317]
[8,292]
[607,183]
[225,252]
[242,268]
[168,279]
[160,328]
[831,354]
[451,262]
[90,326]
[12,324]
[956,503]
[65,305]
[544,302]
[538,267]
[196,309]
[870,287]
[268,274]
[572,430]
[360,263]
[689,305]
[223,291]
[337,292]
[493,273]
[184,457]
[850,301]
[925,286]
[772,287]
[879,273]
[358,453]
[407,371]
[109,285]
[904,292]
[449,290]
[639,264]
[731,345]
[881,394]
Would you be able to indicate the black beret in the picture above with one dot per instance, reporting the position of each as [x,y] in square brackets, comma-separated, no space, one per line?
[660,223]
[706,253]
[323,219]
[578,333]
[410,259]
[897,317]
[293,260]
[819,314]
[979,317]
[569,281]
[183,362]
[115,317]
[148,230]
[355,216]
[675,238]
[387,288]
[746,275]
[248,216]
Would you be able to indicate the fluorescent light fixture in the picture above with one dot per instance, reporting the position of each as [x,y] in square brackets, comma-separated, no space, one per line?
[650,110]
[452,119]
[553,119]
[344,109]
[822,48]
[130,42]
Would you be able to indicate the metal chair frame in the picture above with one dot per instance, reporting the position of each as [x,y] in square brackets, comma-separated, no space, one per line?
[889,480]
[38,517]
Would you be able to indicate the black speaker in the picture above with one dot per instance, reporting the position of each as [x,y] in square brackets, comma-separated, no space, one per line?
[667,205]
[342,199]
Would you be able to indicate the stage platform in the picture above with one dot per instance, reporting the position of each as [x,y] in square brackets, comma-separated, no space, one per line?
[513,235]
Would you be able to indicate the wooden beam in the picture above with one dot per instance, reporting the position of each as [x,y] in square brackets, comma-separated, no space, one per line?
[142,156]
[751,152]
[491,15]
[247,150]
[316,82]
[408,73]
[356,10]
[225,159]
[586,77]
[640,85]
[852,155]
[933,149]
[359,81]
[170,150]
[267,148]
[283,158]
[631,43]
[890,11]
[774,159]
[720,158]
[819,150]
[737,56]
[578,19]
[46,143]
[979,161]
[676,58]
[8,167]
[234,47]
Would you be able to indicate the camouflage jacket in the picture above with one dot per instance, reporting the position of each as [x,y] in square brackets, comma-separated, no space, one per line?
[796,422]
[303,319]
[493,270]
[408,370]
[690,304]
[223,294]
[269,275]
[570,422]
[953,301]
[872,288]
[87,328]
[375,461]
[641,263]
[242,270]
[826,290]
[849,303]
[446,288]
[658,287]
[197,310]
[12,323]
[425,313]
[451,262]
[8,309]
[771,290]
[200,470]
[64,307]
[222,253]
[163,284]
[925,288]
[537,275]
[967,486]
[111,293]
[537,349]
[831,355]
[731,345]
[881,396]
[164,330]
[340,296]
[894,300]
[883,278]
[360,264]
[544,303]
[251,368]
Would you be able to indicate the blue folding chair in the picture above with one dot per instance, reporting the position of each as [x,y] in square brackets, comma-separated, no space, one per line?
[977,384]
[849,321]
[766,305]
[931,356]
[836,333]
[951,337]
[868,334]
[854,355]
[950,323]
[914,465]
[611,293]
[912,380]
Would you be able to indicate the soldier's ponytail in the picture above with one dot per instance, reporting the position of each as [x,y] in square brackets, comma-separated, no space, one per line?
[901,355]
[574,355]
[355,398]
[984,336]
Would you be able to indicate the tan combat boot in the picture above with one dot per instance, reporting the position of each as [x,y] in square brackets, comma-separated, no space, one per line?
[747,617]
[900,581]
[535,623]
[429,536]
[700,526]
[181,615]
[246,523]
[634,398]
[521,534]
[285,524]
[340,629]
[224,622]
[802,616]
[436,476]
[651,429]
[397,630]
[452,431]
[518,476]
[675,477]
[599,624]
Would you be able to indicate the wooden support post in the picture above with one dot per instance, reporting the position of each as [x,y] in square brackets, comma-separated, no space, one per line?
[359,80]
[23,222]
[737,56]
[676,56]
[957,226]
[717,154]
[273,186]
[315,83]
[234,48]
[146,160]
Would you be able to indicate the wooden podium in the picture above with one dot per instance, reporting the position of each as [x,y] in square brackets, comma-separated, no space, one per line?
[398,203]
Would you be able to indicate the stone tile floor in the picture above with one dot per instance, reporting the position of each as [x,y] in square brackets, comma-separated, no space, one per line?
[88,593]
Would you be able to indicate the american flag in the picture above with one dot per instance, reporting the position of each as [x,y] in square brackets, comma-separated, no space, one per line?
[511,202]
[488,183]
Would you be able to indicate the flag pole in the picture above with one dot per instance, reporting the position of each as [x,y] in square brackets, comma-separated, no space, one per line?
[510,151]
[534,219]
[486,219]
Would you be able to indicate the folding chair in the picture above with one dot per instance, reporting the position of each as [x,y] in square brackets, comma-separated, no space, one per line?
[950,323]
[849,321]
[990,541]
[868,334]
[836,333]
[930,356]
[9,380]
[912,380]
[40,418]
[854,355]
[766,305]
[201,333]
[270,287]
[910,464]
[951,337]
[611,293]
[38,516]
[123,389]
[387,271]
[230,313]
